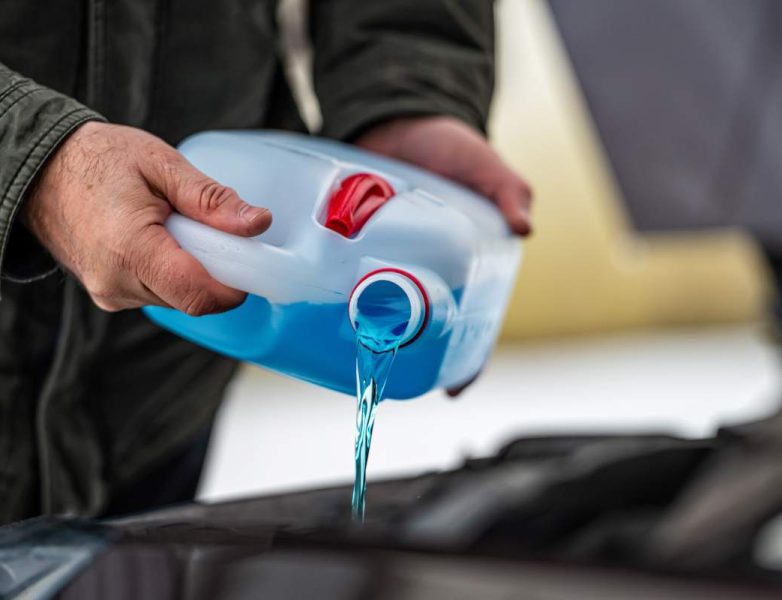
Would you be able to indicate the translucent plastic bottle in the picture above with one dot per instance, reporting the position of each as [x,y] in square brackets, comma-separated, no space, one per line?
[348,224]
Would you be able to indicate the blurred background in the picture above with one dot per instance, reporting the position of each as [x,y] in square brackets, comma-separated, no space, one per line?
[652,134]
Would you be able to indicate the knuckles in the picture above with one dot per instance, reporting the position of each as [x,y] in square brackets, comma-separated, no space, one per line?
[102,292]
[198,304]
[212,195]
[202,302]
[108,305]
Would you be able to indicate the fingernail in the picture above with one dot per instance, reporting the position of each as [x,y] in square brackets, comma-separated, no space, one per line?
[524,226]
[252,214]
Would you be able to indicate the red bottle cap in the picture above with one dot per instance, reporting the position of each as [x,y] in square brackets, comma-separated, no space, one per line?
[356,200]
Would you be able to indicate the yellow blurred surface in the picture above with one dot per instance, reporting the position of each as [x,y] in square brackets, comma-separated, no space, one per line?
[586,270]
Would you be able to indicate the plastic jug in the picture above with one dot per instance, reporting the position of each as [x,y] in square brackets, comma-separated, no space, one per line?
[348,225]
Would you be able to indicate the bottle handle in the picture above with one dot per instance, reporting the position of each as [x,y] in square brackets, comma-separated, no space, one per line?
[250,264]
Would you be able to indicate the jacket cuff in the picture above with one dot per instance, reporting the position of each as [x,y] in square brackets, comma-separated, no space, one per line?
[34,121]
[25,260]
[350,126]
[349,112]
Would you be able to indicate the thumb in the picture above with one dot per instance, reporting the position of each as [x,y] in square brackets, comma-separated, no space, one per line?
[199,197]
[457,390]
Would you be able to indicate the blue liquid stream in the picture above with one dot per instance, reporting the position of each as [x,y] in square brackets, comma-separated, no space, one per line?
[383,312]
[372,370]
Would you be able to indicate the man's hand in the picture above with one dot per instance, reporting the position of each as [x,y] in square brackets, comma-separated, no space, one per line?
[99,206]
[454,150]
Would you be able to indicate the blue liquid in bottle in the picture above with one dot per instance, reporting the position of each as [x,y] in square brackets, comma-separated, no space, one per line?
[382,315]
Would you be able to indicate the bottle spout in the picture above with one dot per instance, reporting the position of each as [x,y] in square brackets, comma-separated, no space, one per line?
[388,308]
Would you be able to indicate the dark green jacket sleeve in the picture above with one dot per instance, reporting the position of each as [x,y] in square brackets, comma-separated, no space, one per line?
[33,122]
[375,60]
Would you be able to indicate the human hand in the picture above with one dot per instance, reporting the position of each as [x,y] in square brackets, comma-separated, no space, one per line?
[455,150]
[99,206]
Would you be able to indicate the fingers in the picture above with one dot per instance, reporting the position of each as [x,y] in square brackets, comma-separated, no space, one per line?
[201,198]
[179,280]
[514,198]
[456,391]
